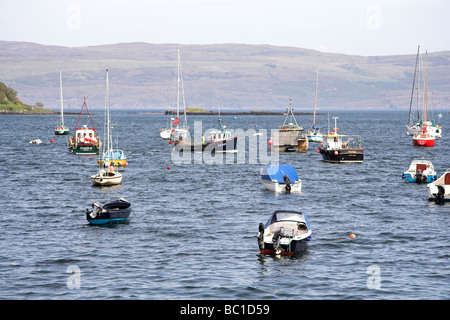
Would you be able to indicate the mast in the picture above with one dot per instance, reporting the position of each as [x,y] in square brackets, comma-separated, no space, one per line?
[315,98]
[426,87]
[61,97]
[335,125]
[108,121]
[178,84]
[413,86]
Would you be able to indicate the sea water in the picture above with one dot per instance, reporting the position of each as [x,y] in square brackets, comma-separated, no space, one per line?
[192,233]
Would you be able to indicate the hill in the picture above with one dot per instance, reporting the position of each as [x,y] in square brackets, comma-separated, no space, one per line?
[230,76]
[11,104]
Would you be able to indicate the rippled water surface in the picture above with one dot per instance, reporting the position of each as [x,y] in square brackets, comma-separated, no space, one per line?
[192,234]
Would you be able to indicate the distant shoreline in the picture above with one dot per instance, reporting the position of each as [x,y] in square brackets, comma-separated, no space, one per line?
[237,113]
[33,113]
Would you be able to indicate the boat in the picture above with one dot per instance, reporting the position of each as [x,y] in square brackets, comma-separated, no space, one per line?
[281,178]
[116,157]
[112,212]
[61,128]
[286,232]
[420,171]
[424,139]
[108,173]
[419,123]
[439,190]
[36,141]
[289,136]
[338,148]
[219,140]
[179,130]
[85,140]
[314,134]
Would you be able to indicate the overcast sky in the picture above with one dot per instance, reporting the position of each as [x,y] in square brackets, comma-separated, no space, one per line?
[361,27]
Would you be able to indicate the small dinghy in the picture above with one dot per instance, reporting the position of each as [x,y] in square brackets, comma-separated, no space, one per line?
[281,179]
[112,212]
[439,190]
[286,232]
[420,171]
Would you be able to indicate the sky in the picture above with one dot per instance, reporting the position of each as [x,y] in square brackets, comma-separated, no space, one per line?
[358,27]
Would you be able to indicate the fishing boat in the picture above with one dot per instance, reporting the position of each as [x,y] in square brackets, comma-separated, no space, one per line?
[314,134]
[419,122]
[439,190]
[289,136]
[218,140]
[179,130]
[286,232]
[339,148]
[420,171]
[108,173]
[112,212]
[61,128]
[281,178]
[85,140]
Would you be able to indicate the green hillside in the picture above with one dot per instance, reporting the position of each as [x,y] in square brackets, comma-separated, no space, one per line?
[10,103]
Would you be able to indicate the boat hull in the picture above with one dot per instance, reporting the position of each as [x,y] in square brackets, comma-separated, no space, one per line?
[424,142]
[110,216]
[112,212]
[407,177]
[84,148]
[342,155]
[286,249]
[228,145]
[106,180]
[61,131]
[275,186]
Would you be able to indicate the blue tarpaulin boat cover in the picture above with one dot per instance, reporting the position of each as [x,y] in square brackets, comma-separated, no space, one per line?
[277,173]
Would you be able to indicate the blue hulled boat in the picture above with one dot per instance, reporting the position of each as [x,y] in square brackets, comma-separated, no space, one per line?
[420,171]
[112,212]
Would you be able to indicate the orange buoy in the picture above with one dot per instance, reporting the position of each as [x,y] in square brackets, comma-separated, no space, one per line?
[52,140]
[352,236]
[168,168]
[270,141]
[318,150]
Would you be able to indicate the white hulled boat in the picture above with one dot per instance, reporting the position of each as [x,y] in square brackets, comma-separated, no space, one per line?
[107,173]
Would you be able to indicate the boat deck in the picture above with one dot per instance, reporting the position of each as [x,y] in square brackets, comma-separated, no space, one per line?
[290,228]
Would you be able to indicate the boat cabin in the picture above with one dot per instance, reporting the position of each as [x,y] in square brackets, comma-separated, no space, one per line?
[333,141]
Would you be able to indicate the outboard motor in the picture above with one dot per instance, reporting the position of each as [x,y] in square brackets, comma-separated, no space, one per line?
[287,182]
[440,194]
[276,240]
[261,236]
[97,210]
[419,176]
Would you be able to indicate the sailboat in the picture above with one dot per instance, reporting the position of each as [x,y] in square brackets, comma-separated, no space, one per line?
[107,173]
[314,134]
[425,137]
[61,128]
[416,122]
[179,129]
[85,140]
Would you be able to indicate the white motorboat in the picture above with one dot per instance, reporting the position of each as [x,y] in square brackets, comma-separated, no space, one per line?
[420,171]
[439,190]
[286,232]
[281,178]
